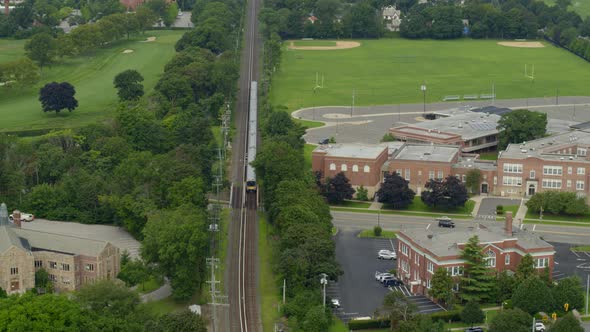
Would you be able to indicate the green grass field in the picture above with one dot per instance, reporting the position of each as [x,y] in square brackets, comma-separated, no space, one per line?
[269,294]
[92,76]
[314,43]
[582,7]
[390,71]
[11,50]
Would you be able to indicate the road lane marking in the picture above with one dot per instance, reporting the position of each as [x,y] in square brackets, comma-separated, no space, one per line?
[534,226]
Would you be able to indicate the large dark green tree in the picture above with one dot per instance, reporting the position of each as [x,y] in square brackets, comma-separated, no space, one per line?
[395,191]
[442,287]
[338,188]
[567,323]
[58,96]
[525,269]
[472,313]
[184,320]
[570,291]
[446,194]
[399,308]
[41,48]
[128,85]
[478,280]
[533,296]
[519,126]
[513,320]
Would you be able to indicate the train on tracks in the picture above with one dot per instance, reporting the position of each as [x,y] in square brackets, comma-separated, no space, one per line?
[251,186]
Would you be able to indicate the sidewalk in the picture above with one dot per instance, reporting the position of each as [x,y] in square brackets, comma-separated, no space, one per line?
[159,294]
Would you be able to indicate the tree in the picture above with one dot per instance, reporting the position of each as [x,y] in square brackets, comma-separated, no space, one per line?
[513,320]
[395,191]
[477,281]
[504,287]
[567,323]
[533,296]
[176,240]
[170,15]
[128,85]
[42,279]
[473,180]
[525,269]
[184,320]
[472,313]
[189,190]
[338,189]
[570,291]
[447,194]
[399,308]
[134,272]
[41,48]
[442,286]
[519,126]
[421,323]
[57,96]
[145,18]
[316,320]
[107,298]
[362,194]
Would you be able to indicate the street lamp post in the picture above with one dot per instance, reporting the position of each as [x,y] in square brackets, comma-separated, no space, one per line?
[423,88]
[324,281]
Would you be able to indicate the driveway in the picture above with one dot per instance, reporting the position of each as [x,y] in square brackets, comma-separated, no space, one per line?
[116,235]
[487,209]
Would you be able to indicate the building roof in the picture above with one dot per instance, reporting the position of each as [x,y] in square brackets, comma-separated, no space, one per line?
[427,152]
[445,242]
[352,150]
[470,162]
[491,110]
[581,125]
[546,147]
[468,125]
[61,243]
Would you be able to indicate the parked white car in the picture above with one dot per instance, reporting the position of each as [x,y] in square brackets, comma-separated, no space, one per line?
[23,217]
[380,275]
[539,327]
[386,254]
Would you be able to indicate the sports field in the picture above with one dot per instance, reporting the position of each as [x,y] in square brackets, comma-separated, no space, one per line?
[92,76]
[390,71]
[582,7]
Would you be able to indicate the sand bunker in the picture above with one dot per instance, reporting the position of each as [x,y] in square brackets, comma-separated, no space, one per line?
[522,44]
[128,51]
[340,45]
[149,39]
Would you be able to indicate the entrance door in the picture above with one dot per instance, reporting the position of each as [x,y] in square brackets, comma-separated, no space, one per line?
[484,188]
[14,285]
[531,189]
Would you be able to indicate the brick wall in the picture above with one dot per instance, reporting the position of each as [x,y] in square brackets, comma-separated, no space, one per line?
[17,272]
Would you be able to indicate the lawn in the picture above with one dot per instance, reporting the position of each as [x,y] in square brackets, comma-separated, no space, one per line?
[582,7]
[368,233]
[164,306]
[488,155]
[419,206]
[11,50]
[548,216]
[314,43]
[390,71]
[150,285]
[512,208]
[354,204]
[581,248]
[269,294]
[307,150]
[92,76]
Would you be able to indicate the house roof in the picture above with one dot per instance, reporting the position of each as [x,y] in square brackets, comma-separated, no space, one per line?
[352,150]
[427,152]
[61,243]
[445,242]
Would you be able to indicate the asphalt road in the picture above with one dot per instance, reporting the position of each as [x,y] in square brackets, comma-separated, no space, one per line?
[368,124]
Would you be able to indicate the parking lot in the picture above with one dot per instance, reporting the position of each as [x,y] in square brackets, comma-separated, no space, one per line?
[569,263]
[359,293]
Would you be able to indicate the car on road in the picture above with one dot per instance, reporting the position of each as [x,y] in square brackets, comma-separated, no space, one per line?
[324,141]
[392,282]
[474,329]
[335,303]
[386,254]
[24,217]
[445,222]
[380,275]
[539,327]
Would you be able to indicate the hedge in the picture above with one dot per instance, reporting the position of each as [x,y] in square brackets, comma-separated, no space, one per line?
[368,324]
[446,316]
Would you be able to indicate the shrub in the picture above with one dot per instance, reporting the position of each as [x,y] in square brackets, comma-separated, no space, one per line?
[500,209]
[362,194]
[332,140]
[368,324]
[377,231]
[447,316]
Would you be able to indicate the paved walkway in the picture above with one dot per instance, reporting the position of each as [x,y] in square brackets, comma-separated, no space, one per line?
[159,294]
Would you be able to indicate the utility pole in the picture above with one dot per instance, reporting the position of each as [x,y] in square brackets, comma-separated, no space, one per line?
[352,108]
[212,262]
[587,291]
[324,281]
[423,88]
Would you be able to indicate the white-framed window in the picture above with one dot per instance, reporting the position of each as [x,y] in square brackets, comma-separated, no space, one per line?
[552,170]
[541,263]
[416,259]
[440,175]
[344,168]
[13,271]
[405,266]
[52,277]
[581,171]
[456,287]
[512,181]
[430,175]
[416,276]
[65,267]
[507,259]
[355,168]
[430,267]
[569,183]
[332,167]
[552,183]
[495,180]
[407,174]
[38,263]
[367,169]
[428,283]
[491,258]
[53,265]
[399,172]
[570,170]
[455,270]
[512,168]
[532,174]
[419,172]
[403,249]
[579,185]
[89,267]
[581,152]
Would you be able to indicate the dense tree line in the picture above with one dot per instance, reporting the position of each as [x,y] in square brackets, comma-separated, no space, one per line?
[301,220]
[103,306]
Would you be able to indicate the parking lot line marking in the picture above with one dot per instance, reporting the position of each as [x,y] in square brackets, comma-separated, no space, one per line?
[391,242]
[587,254]
[575,253]
[556,263]
[427,227]
[534,226]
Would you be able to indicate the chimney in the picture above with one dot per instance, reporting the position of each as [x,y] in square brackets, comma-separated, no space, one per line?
[508,223]
[16,218]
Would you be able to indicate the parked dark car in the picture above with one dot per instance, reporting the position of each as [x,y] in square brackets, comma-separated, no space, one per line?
[445,222]
[324,141]
[392,282]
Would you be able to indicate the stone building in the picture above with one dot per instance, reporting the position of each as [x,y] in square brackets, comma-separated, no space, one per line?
[70,261]
[421,252]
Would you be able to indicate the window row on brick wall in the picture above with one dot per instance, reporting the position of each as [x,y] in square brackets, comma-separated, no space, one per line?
[62,266]
[355,168]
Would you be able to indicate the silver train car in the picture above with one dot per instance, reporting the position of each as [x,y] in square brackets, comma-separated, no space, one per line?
[252,137]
